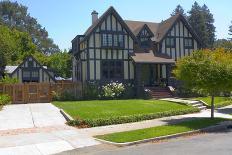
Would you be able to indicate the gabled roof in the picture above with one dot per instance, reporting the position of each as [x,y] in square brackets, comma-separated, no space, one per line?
[26,59]
[136,26]
[160,30]
[101,19]
[147,29]
[10,69]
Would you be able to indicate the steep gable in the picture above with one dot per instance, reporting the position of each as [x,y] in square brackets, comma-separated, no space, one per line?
[105,16]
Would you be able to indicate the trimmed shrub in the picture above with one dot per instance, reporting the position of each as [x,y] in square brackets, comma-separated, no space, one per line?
[4,99]
[128,119]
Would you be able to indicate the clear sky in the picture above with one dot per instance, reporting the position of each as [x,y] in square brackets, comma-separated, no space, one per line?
[64,19]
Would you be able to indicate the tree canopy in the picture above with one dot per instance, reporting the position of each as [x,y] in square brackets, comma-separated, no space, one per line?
[202,21]
[230,31]
[178,10]
[208,71]
[223,43]
[15,15]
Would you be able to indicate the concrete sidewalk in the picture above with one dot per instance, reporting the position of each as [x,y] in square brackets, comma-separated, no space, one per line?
[148,123]
[38,129]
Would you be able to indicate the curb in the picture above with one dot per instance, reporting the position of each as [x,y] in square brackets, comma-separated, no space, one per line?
[217,127]
[66,116]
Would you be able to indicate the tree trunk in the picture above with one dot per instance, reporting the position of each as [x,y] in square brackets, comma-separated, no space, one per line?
[212,107]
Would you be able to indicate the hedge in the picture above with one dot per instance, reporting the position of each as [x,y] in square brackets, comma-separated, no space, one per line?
[128,119]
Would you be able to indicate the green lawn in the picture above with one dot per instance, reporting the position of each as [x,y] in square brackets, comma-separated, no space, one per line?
[106,112]
[219,101]
[135,135]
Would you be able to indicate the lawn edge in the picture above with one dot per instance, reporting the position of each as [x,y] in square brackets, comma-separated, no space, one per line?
[66,116]
[217,127]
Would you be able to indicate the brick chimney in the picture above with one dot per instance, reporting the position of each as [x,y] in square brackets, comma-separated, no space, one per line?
[94,16]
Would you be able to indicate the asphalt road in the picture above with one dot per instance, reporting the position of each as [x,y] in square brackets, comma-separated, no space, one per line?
[204,144]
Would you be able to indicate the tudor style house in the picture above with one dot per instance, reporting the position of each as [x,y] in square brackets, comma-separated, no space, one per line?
[114,49]
[30,70]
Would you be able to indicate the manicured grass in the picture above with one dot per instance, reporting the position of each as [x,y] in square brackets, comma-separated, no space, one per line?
[218,101]
[129,136]
[106,112]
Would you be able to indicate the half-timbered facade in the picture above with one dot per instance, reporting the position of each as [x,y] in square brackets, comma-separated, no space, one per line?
[113,49]
[30,70]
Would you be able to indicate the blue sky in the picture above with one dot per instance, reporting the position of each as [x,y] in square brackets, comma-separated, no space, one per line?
[64,19]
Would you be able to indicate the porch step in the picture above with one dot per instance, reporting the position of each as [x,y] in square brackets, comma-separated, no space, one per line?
[158,93]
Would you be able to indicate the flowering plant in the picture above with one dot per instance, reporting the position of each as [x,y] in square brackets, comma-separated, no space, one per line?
[113,90]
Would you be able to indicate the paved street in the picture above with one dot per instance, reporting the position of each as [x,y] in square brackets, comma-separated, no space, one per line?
[203,144]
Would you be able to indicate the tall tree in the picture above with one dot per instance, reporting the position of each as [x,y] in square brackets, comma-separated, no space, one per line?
[178,10]
[202,21]
[230,31]
[15,15]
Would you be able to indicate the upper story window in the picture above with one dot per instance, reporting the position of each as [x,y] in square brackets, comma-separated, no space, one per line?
[188,43]
[145,42]
[170,42]
[112,40]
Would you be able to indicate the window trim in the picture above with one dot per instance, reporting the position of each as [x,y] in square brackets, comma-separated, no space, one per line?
[108,67]
[113,34]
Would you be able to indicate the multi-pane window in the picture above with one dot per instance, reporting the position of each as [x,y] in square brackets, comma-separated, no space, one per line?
[34,74]
[170,42]
[26,74]
[112,69]
[120,40]
[104,40]
[112,40]
[188,42]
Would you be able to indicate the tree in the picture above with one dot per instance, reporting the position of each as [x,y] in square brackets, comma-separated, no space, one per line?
[61,63]
[202,21]
[230,31]
[208,71]
[15,45]
[15,15]
[2,64]
[178,10]
[223,43]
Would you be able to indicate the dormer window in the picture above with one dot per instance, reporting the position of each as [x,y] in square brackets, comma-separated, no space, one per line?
[112,40]
[144,36]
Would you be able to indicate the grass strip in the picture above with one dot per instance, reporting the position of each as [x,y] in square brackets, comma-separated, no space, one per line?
[135,135]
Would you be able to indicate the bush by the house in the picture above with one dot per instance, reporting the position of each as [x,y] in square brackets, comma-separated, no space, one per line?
[113,90]
[129,91]
[128,119]
[63,96]
[4,99]
[91,91]
[8,80]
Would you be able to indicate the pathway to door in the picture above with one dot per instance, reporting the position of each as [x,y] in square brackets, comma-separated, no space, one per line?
[38,129]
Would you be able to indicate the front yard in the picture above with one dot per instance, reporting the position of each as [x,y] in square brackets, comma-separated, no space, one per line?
[129,136]
[107,112]
[218,101]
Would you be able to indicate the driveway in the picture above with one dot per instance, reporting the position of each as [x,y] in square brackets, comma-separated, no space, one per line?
[38,129]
